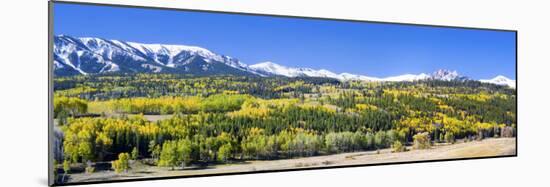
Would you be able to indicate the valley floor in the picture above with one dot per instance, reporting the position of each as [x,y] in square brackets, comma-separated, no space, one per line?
[484,148]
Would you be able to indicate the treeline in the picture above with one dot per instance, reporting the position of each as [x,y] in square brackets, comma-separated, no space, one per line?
[242,111]
[207,137]
[105,87]
[172,105]
[184,140]
[69,106]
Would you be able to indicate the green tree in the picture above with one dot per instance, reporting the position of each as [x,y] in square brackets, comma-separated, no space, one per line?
[449,137]
[176,153]
[154,150]
[184,152]
[225,152]
[380,140]
[421,141]
[369,141]
[66,169]
[122,164]
[135,153]
[169,155]
[398,147]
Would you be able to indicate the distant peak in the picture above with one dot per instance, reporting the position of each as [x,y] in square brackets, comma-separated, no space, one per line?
[500,80]
[502,77]
[445,74]
[266,63]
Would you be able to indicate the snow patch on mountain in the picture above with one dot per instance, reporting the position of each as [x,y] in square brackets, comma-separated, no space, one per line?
[407,77]
[500,80]
[270,68]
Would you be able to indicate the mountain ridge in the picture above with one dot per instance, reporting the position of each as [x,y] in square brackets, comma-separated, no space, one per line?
[87,55]
[91,55]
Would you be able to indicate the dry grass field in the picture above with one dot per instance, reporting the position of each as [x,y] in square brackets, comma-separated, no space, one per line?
[484,148]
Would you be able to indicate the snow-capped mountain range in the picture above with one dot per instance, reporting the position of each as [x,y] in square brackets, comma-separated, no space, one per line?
[74,56]
[270,68]
[87,55]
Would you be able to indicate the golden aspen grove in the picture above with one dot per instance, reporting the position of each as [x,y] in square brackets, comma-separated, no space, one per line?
[106,123]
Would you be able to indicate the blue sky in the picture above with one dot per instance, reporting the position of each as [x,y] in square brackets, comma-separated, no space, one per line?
[371,49]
